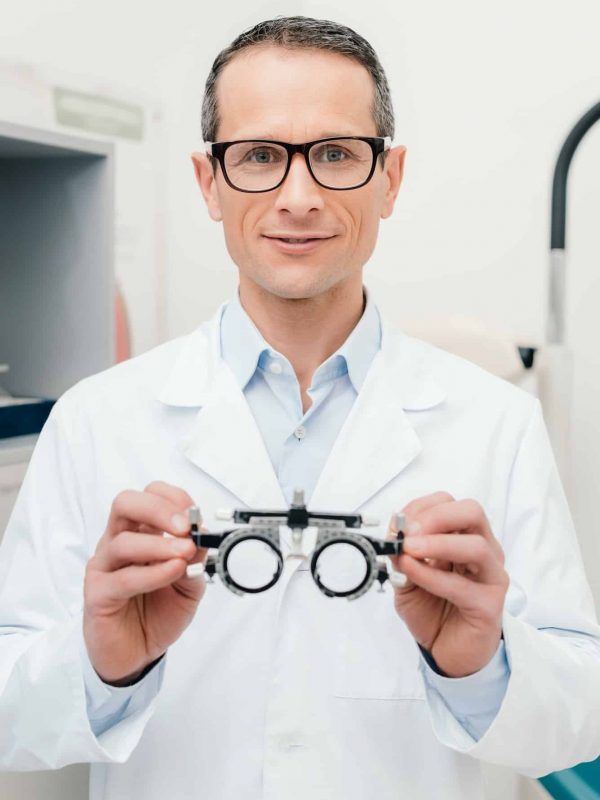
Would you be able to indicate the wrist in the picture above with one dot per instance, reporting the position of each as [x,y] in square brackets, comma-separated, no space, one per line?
[456,671]
[135,677]
[431,662]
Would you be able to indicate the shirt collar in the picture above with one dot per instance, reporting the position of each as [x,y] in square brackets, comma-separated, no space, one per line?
[242,345]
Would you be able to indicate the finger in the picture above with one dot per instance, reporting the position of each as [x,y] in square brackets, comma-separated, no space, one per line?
[438,563]
[412,527]
[415,507]
[458,590]
[200,558]
[201,553]
[412,510]
[131,509]
[465,516]
[179,497]
[141,548]
[175,495]
[136,580]
[470,551]
[143,528]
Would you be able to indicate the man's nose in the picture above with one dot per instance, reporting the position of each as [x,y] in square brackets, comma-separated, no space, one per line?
[299,193]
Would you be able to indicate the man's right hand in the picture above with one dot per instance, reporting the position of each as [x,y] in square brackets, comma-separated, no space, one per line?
[137,597]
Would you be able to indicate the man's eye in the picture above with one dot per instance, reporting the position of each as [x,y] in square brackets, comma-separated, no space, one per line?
[332,155]
[262,156]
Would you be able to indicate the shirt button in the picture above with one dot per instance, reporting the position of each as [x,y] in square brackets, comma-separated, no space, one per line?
[275,367]
[300,432]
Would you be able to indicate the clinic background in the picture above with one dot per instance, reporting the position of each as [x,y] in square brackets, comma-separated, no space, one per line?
[484,95]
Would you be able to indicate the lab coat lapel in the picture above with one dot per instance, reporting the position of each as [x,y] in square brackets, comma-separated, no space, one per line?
[224,440]
[226,443]
[378,440]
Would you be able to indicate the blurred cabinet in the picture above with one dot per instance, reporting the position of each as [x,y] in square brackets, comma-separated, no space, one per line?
[56,312]
[56,259]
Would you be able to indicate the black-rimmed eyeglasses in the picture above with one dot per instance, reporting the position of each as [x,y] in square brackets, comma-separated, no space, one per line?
[261,165]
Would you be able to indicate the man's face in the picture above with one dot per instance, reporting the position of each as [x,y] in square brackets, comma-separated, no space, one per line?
[297,96]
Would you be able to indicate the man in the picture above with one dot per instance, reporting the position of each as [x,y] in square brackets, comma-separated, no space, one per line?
[114,655]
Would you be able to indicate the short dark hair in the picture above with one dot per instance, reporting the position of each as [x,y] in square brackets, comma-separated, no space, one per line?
[296,33]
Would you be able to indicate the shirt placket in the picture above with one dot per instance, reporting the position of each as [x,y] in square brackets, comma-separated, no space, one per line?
[295,733]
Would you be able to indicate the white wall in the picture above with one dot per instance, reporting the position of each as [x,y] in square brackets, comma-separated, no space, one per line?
[484,95]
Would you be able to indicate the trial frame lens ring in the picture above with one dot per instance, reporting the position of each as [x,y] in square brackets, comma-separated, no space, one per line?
[225,550]
[363,546]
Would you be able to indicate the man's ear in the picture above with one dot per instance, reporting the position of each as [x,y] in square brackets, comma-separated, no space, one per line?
[208,185]
[394,170]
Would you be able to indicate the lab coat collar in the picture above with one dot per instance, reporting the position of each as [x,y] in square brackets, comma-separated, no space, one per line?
[244,347]
[190,380]
[375,443]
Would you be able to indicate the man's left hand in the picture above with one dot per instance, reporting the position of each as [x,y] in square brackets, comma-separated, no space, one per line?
[454,597]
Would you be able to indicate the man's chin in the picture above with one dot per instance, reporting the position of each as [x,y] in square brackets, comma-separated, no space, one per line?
[303,290]
[299,286]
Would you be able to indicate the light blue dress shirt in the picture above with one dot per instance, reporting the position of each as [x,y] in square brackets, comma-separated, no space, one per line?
[298,444]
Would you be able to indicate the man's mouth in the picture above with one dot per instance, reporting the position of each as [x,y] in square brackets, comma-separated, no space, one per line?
[297,244]
[297,240]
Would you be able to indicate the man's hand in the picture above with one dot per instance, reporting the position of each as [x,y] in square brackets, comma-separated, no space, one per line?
[137,598]
[454,597]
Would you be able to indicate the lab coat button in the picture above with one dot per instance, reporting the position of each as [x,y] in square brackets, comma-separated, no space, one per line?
[276,368]
[300,432]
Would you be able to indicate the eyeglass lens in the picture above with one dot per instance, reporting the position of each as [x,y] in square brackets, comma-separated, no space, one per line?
[336,163]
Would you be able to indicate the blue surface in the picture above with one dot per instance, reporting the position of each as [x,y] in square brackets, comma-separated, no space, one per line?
[578,783]
[25,418]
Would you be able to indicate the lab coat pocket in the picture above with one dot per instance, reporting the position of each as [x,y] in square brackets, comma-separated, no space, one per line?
[376,656]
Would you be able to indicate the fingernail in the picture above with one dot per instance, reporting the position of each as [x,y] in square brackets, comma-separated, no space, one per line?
[195,570]
[413,528]
[179,523]
[181,547]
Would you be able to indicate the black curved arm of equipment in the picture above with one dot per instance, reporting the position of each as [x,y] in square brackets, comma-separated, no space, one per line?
[561,172]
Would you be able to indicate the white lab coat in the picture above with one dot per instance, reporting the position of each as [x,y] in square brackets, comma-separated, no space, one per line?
[289,694]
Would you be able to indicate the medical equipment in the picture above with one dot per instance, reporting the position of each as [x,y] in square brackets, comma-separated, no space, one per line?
[544,369]
[555,359]
[344,562]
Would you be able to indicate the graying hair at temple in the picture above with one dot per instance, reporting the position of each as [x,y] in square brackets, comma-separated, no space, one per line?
[296,33]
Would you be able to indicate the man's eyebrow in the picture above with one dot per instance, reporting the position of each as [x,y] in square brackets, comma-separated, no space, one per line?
[326,135]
